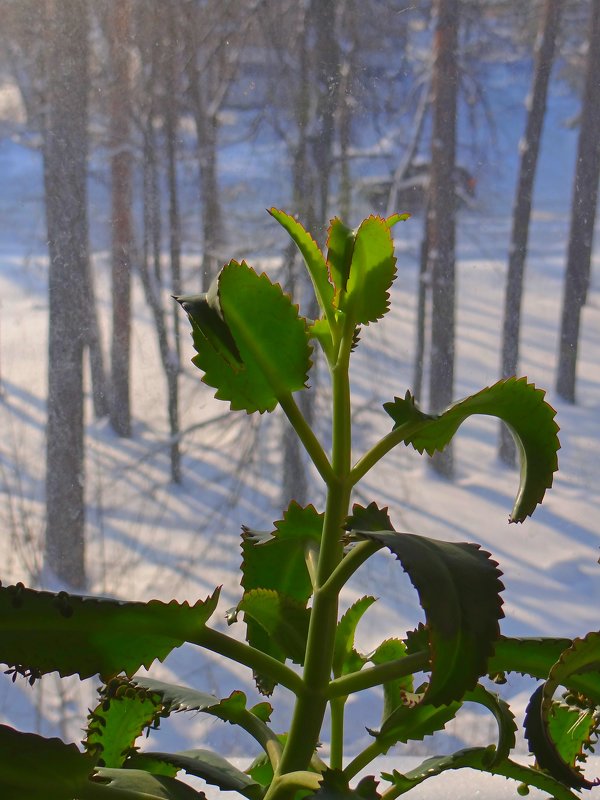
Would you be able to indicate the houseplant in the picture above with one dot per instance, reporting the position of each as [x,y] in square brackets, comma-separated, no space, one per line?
[255,350]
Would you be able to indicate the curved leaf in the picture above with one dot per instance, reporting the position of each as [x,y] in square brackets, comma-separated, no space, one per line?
[231,709]
[70,634]
[551,741]
[482,759]
[114,783]
[414,719]
[372,271]
[504,717]
[251,342]
[459,590]
[517,403]
[212,768]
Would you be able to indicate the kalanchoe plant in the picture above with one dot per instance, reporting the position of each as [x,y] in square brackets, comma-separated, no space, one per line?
[255,349]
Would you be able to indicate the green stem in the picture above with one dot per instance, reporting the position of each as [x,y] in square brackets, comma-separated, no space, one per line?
[382,448]
[307,437]
[348,566]
[309,711]
[363,759]
[249,656]
[337,732]
[379,674]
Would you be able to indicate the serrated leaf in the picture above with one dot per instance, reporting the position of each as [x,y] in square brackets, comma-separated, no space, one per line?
[270,354]
[504,717]
[573,730]
[340,247]
[313,258]
[394,219]
[335,786]
[230,709]
[393,691]
[35,768]
[284,620]
[212,768]
[545,750]
[520,405]
[482,759]
[276,560]
[369,518]
[120,783]
[414,720]
[345,657]
[117,722]
[582,657]
[372,271]
[459,590]
[71,634]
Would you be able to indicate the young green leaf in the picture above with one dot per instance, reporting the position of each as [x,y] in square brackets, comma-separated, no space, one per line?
[71,634]
[284,620]
[393,691]
[313,258]
[459,589]
[345,658]
[365,298]
[254,349]
[340,247]
[117,722]
[520,405]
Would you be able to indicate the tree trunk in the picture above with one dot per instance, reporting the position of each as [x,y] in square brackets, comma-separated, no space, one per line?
[583,215]
[119,22]
[442,214]
[65,155]
[529,149]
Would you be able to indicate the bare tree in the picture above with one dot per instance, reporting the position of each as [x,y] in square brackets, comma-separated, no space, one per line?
[442,214]
[65,155]
[517,254]
[119,34]
[583,215]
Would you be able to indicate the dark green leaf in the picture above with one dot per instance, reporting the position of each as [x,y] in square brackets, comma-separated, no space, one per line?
[136,782]
[520,405]
[459,590]
[414,720]
[545,750]
[371,518]
[35,768]
[504,717]
[70,634]
[212,768]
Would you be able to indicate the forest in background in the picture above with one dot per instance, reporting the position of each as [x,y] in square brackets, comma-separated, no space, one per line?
[371,106]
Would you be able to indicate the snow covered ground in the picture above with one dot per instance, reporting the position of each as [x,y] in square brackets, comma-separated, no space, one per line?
[148,538]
